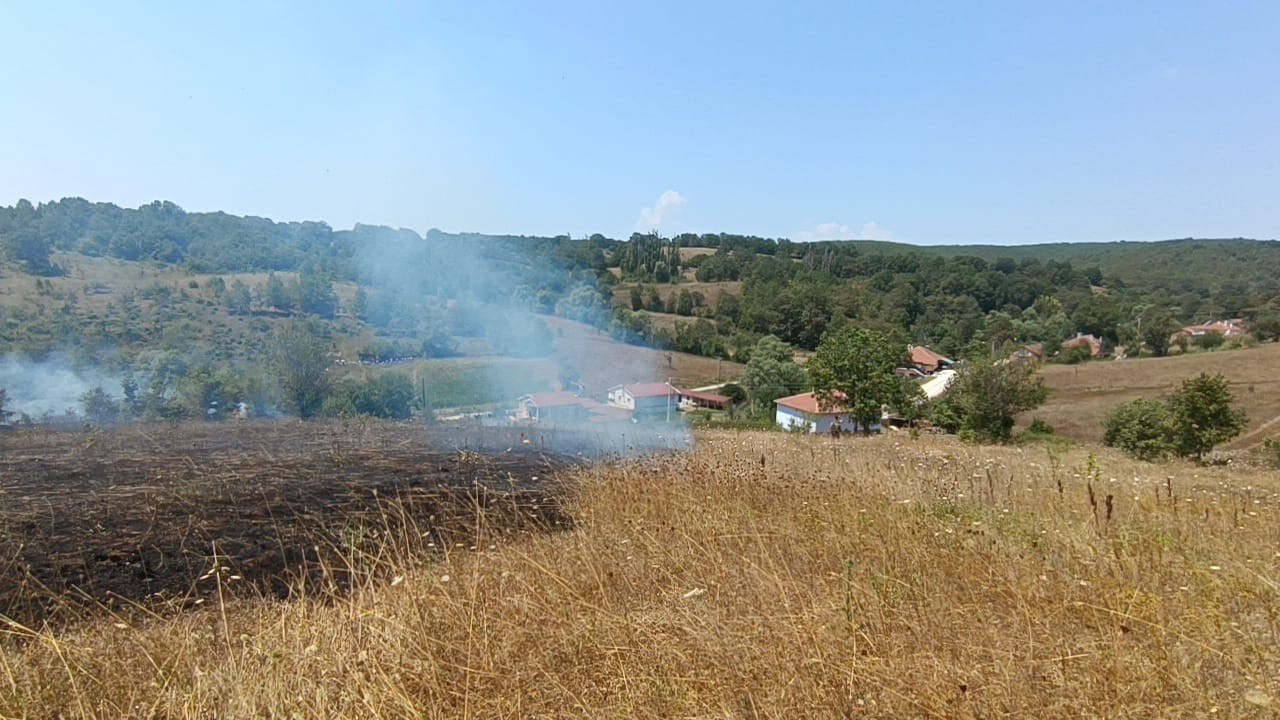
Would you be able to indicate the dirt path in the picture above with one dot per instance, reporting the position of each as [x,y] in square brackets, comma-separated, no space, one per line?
[1242,442]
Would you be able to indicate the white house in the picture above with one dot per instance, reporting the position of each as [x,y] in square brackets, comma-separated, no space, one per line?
[646,399]
[804,411]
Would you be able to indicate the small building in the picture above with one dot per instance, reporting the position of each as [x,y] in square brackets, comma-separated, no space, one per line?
[928,361]
[553,407]
[694,399]
[805,411]
[646,400]
[1028,354]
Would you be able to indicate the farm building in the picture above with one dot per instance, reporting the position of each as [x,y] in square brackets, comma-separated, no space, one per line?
[566,407]
[804,411]
[647,399]
[693,399]
[552,407]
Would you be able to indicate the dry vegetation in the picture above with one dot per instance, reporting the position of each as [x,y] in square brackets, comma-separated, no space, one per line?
[1082,395]
[762,575]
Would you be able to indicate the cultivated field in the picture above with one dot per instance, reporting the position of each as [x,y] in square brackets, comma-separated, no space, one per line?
[1083,395]
[761,575]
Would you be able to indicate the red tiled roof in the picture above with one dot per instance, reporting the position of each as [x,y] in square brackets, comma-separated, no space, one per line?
[704,396]
[808,403]
[921,355]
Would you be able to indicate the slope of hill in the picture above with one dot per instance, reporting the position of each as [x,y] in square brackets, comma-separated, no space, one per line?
[1082,395]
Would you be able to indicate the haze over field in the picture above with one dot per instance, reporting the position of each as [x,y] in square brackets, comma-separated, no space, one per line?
[928,123]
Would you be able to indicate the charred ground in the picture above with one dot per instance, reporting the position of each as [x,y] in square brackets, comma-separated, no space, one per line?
[170,516]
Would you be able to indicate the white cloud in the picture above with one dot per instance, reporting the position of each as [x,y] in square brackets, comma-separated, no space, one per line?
[837,231]
[664,213]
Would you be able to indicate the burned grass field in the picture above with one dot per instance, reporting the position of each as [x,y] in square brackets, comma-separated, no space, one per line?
[156,517]
[760,575]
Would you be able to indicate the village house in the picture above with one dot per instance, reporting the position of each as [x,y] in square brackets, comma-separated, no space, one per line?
[552,407]
[1228,329]
[1093,343]
[805,411]
[646,400]
[1028,354]
[928,361]
[566,407]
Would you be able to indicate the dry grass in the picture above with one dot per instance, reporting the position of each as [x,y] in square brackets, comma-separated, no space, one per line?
[761,576]
[1083,395]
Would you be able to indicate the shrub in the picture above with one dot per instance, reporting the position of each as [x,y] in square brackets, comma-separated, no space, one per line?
[1197,417]
[1141,428]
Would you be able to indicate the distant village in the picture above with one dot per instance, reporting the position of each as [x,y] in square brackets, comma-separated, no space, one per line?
[664,402]
[802,412]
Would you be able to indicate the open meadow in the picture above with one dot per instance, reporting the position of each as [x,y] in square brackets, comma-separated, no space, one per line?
[1081,396]
[758,575]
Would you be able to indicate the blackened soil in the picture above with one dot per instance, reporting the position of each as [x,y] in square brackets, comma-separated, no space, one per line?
[169,516]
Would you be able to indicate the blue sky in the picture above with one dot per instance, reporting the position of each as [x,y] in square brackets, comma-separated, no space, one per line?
[920,122]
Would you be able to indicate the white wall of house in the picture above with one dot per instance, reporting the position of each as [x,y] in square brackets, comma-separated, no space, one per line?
[619,397]
[790,418]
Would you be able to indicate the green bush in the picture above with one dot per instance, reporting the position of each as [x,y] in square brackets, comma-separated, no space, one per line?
[1197,417]
[1142,429]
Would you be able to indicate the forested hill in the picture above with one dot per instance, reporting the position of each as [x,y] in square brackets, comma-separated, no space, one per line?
[1176,266]
[713,294]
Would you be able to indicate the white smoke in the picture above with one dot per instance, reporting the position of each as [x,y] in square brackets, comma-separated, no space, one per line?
[664,213]
[48,387]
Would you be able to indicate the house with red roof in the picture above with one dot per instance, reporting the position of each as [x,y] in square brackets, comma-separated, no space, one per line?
[806,412]
[1092,342]
[928,361]
[646,399]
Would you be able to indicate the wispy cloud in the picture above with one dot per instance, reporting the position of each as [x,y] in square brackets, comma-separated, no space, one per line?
[838,231]
[664,213]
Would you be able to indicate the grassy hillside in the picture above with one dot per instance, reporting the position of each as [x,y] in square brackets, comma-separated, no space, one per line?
[760,576]
[1082,395]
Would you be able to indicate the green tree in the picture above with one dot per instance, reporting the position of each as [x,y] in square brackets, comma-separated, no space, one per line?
[278,296]
[987,395]
[4,414]
[1203,415]
[301,362]
[315,295]
[1156,326]
[99,407]
[1141,428]
[771,373]
[238,299]
[854,367]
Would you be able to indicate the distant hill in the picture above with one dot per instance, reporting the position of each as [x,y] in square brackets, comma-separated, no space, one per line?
[1176,266]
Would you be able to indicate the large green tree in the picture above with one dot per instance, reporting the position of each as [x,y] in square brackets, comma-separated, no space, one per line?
[854,367]
[771,373]
[1203,415]
[300,361]
[987,395]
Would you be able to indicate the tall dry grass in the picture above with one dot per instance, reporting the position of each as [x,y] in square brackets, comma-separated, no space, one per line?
[761,576]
